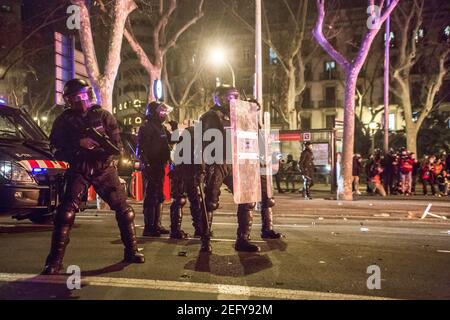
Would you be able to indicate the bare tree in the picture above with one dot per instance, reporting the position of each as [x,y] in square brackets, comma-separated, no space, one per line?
[366,102]
[419,40]
[162,40]
[14,43]
[351,69]
[288,45]
[103,82]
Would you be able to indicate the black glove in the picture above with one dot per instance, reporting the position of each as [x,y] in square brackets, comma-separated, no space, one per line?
[173,125]
[252,100]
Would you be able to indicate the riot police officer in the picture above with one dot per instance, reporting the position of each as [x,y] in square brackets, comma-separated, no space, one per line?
[185,180]
[217,174]
[154,152]
[306,164]
[91,162]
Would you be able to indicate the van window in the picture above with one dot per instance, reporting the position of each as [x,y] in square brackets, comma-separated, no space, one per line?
[19,127]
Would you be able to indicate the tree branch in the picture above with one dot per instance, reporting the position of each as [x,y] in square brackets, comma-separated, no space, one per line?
[186,26]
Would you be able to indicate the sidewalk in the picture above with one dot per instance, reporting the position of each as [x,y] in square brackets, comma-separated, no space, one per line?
[325,206]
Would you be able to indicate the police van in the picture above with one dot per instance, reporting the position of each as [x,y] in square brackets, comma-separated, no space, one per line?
[31,179]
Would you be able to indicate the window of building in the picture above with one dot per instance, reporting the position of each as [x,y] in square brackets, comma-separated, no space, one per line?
[330,96]
[420,34]
[308,72]
[329,121]
[273,58]
[446,34]
[305,122]
[5,8]
[330,66]
[391,39]
[392,121]
[307,103]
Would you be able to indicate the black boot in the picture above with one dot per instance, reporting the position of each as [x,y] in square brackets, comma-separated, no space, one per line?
[60,240]
[205,227]
[125,221]
[267,231]
[245,220]
[149,220]
[176,218]
[158,215]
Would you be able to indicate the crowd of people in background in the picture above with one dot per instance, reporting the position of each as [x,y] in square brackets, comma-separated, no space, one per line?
[399,172]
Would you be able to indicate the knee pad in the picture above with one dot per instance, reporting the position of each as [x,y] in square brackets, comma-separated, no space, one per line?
[212,206]
[246,206]
[180,201]
[152,201]
[268,203]
[126,215]
[65,217]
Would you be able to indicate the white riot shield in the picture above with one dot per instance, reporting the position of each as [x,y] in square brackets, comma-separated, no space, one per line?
[267,159]
[245,152]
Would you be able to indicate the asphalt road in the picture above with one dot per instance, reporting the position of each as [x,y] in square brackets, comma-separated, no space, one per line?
[328,248]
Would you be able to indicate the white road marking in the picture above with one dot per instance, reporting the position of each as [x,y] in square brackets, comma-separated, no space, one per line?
[444,251]
[198,239]
[210,288]
[259,224]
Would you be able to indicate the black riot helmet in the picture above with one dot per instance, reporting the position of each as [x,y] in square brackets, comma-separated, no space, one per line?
[224,94]
[158,111]
[78,95]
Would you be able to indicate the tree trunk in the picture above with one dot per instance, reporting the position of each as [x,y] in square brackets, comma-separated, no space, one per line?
[154,73]
[349,131]
[288,100]
[105,93]
[411,139]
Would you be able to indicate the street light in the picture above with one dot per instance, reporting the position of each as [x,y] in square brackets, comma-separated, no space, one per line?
[217,56]
[373,126]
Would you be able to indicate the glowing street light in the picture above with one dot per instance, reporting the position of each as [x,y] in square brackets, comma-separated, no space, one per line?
[217,57]
[373,126]
[44,118]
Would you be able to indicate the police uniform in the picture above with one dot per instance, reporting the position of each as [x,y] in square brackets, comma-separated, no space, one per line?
[217,174]
[185,179]
[88,167]
[154,153]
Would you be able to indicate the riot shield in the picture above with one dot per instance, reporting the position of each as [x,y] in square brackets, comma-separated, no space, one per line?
[245,152]
[266,154]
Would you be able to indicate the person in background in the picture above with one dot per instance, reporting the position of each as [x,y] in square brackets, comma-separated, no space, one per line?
[427,175]
[356,172]
[375,176]
[290,170]
[279,175]
[367,169]
[406,167]
[307,169]
[415,172]
[439,170]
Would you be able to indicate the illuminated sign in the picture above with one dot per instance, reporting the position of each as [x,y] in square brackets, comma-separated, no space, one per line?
[129,104]
[132,121]
[158,90]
